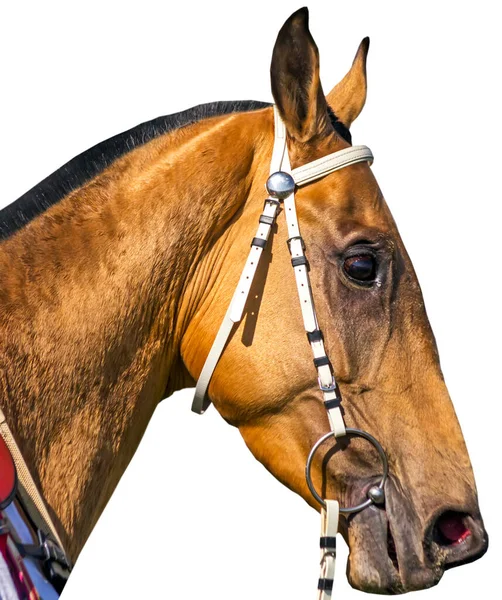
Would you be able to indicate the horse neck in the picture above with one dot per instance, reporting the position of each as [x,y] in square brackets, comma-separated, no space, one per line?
[91,306]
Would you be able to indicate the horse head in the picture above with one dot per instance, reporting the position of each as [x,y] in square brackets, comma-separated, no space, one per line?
[376,331]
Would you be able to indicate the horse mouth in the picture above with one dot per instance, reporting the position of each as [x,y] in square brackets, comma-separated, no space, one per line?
[392,552]
[374,564]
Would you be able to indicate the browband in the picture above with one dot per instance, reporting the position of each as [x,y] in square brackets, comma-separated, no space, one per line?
[332,162]
[302,176]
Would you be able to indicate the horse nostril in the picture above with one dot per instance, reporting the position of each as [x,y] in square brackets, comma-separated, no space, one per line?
[456,538]
[450,529]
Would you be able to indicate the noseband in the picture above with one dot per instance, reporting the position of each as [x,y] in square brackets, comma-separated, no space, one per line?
[281,188]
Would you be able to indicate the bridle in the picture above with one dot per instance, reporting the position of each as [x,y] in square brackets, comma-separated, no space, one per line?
[281,188]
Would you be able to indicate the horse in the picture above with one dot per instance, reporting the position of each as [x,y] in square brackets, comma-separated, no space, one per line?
[116,273]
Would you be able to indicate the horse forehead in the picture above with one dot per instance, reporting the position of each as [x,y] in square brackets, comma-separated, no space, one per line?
[348,197]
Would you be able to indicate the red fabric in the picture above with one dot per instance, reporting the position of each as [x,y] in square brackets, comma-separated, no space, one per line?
[7,474]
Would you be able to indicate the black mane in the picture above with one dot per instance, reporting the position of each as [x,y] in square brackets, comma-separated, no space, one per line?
[90,163]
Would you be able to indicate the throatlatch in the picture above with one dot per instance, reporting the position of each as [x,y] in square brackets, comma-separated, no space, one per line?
[281,188]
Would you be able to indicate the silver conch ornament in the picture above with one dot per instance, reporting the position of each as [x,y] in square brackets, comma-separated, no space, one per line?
[280,185]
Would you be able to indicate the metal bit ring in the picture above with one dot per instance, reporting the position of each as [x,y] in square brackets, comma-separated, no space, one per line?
[359,433]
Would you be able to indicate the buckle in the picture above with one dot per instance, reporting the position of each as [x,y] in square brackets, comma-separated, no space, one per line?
[295,237]
[271,201]
[327,388]
[52,551]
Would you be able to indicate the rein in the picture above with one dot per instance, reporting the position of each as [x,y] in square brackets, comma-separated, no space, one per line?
[281,186]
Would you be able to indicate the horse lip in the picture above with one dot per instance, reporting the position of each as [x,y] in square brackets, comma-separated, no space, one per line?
[383,556]
[370,568]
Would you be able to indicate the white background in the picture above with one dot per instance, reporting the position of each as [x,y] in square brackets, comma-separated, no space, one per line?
[195,515]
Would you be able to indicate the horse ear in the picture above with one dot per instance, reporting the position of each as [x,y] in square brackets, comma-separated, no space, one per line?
[347,98]
[296,86]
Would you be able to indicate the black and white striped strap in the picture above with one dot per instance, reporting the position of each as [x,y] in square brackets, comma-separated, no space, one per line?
[325,376]
[329,529]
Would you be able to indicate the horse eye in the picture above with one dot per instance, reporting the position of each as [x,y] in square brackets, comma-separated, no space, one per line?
[361,268]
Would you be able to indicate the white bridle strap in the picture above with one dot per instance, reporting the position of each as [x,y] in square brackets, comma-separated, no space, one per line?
[329,529]
[201,400]
[330,163]
[236,308]
[325,376]
[302,175]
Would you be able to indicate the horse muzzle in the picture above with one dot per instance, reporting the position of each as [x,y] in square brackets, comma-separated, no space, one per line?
[394,550]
